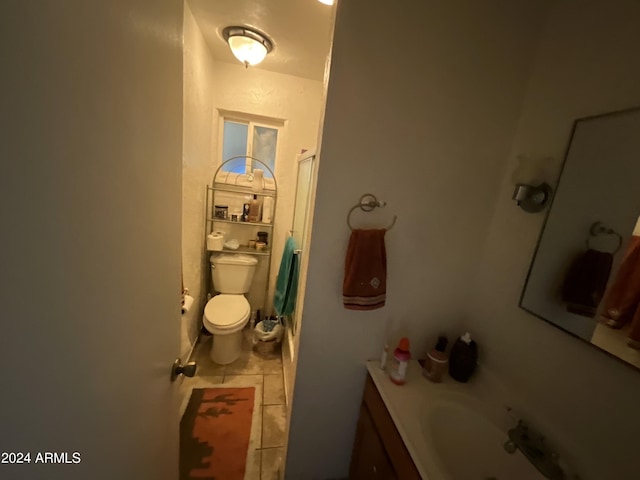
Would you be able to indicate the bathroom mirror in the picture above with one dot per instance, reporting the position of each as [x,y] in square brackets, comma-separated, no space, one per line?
[585,273]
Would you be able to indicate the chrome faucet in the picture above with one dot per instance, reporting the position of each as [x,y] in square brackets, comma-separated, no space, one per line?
[532,445]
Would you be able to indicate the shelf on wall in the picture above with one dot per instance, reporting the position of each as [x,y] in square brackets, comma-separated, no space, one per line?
[222,193]
[242,190]
[243,249]
[255,224]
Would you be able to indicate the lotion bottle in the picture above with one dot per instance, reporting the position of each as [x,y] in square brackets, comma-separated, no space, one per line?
[464,357]
[254,209]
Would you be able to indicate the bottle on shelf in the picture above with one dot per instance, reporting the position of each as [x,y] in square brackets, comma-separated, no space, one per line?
[254,209]
[245,212]
[267,208]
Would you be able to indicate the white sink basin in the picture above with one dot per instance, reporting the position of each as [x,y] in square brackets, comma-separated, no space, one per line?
[468,442]
[455,431]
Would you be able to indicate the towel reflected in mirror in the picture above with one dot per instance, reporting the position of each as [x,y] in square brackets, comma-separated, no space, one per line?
[622,303]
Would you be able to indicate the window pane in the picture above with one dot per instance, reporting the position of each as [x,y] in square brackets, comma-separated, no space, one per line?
[264,147]
[234,143]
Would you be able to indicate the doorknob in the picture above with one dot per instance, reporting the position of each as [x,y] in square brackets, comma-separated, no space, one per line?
[188,370]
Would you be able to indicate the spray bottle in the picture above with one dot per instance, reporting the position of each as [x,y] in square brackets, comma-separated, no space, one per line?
[401,357]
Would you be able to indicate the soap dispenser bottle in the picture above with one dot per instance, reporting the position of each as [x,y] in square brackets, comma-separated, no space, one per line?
[436,364]
[464,357]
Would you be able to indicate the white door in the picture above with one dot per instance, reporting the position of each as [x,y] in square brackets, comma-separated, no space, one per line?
[90,192]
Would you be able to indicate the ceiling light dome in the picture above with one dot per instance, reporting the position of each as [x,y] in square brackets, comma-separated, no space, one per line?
[247,45]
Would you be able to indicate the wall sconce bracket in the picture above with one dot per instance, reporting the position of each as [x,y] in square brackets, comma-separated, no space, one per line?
[532,198]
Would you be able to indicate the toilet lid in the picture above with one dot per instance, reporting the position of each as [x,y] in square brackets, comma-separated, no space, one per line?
[226,310]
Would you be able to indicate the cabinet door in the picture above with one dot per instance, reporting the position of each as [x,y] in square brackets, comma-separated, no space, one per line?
[369,460]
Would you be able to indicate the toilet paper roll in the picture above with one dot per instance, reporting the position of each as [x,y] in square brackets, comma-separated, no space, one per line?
[215,241]
[188,302]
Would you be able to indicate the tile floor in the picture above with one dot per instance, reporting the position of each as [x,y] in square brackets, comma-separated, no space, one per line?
[265,373]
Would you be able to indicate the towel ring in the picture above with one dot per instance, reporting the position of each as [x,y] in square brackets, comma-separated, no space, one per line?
[597,229]
[367,203]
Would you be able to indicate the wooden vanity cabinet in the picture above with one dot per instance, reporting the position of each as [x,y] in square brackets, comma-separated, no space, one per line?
[369,459]
[378,449]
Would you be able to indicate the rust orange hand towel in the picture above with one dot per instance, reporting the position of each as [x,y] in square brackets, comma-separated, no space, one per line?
[365,271]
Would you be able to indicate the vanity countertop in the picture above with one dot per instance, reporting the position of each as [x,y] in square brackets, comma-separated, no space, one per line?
[457,431]
[407,404]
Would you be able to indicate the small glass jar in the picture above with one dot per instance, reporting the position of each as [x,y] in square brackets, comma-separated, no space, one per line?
[435,366]
[221,212]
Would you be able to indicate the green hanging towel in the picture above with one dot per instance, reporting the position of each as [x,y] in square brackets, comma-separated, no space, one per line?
[284,299]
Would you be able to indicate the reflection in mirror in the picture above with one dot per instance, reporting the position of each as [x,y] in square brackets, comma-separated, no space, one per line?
[585,274]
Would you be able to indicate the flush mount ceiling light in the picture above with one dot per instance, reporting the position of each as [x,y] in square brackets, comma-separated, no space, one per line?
[326,2]
[247,45]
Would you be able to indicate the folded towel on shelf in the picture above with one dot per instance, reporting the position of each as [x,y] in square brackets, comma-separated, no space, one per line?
[365,271]
[284,299]
[586,281]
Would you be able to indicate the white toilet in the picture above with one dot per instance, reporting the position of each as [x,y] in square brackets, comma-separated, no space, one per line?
[226,314]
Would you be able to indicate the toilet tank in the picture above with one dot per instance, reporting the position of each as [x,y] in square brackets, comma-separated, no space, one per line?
[232,273]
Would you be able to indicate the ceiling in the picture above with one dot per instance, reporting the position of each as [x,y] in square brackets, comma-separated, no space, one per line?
[299,29]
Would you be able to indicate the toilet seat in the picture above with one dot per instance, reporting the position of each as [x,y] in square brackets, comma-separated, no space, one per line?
[226,311]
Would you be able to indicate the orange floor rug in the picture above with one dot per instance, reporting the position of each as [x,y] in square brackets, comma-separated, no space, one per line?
[214,433]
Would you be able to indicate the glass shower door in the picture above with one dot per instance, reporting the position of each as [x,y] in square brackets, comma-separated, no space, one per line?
[299,227]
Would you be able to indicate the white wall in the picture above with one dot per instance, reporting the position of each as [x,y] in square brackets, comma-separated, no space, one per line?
[586,64]
[428,130]
[197,171]
[297,101]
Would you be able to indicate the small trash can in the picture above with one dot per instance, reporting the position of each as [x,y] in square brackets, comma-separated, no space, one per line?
[267,336]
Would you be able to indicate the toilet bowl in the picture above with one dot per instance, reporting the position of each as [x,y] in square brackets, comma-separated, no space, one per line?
[225,315]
